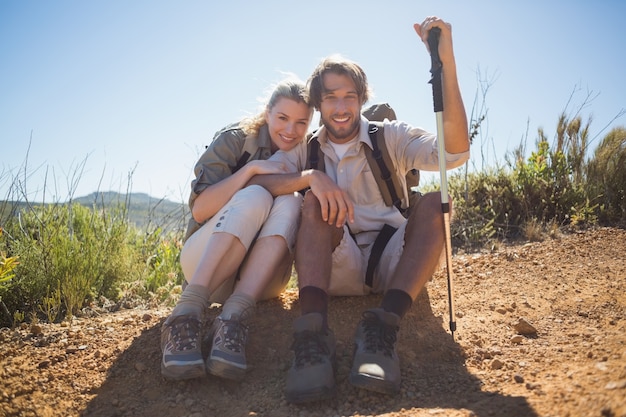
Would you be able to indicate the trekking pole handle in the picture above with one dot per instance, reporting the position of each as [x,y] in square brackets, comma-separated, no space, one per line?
[435,68]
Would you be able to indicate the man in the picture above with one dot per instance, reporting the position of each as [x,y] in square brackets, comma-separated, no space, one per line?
[343,213]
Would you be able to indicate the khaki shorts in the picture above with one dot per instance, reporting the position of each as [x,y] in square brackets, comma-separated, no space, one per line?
[251,213]
[350,258]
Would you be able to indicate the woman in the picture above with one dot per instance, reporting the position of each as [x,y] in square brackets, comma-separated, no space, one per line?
[239,244]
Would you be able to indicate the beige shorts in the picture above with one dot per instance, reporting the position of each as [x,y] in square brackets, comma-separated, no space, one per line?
[251,213]
[350,260]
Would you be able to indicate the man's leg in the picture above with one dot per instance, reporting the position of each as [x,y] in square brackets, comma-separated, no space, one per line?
[311,376]
[376,366]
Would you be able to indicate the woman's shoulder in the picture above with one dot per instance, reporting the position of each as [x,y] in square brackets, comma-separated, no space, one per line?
[233,130]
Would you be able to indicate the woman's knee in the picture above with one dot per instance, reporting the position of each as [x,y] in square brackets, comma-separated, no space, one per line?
[254,194]
[288,206]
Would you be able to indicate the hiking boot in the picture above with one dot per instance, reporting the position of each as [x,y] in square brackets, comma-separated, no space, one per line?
[228,352]
[312,374]
[181,347]
[376,366]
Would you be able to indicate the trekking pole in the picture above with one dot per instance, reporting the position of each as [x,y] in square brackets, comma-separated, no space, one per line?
[435,70]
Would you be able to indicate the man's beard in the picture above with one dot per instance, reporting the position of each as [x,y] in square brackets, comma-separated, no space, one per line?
[343,133]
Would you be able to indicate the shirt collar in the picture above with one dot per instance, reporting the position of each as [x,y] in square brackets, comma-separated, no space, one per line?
[363,133]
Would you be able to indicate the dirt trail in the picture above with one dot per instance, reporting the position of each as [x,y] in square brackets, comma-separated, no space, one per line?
[570,289]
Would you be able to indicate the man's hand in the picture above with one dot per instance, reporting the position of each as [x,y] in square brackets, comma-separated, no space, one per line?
[445,40]
[335,204]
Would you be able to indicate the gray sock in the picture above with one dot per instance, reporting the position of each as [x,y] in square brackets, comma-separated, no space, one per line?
[194,300]
[238,305]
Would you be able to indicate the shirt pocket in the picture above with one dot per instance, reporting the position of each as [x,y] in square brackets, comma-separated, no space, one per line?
[363,188]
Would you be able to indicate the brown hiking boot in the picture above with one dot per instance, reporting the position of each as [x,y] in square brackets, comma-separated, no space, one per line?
[376,366]
[312,375]
[181,347]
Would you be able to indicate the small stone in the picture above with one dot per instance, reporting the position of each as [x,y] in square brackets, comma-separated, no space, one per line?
[497,364]
[616,385]
[518,378]
[36,329]
[523,327]
[517,339]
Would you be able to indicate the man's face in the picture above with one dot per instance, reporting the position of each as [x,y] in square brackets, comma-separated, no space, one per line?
[340,109]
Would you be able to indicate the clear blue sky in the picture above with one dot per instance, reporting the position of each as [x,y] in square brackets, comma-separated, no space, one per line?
[141,86]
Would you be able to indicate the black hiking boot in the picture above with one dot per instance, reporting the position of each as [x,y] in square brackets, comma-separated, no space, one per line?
[376,366]
[312,375]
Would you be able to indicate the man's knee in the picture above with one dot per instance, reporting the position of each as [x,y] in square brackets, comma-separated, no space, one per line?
[429,202]
[428,207]
[311,207]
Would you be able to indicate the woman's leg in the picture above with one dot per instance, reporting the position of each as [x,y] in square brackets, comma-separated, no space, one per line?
[210,257]
[264,274]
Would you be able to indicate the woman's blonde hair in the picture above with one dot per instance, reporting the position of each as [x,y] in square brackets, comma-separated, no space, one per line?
[291,88]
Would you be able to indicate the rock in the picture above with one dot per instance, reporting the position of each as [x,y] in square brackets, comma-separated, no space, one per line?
[523,327]
[616,384]
[140,366]
[497,364]
[36,329]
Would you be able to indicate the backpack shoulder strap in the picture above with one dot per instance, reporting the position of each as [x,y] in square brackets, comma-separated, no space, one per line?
[315,157]
[243,159]
[379,160]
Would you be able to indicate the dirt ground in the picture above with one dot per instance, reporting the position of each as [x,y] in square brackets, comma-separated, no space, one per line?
[565,294]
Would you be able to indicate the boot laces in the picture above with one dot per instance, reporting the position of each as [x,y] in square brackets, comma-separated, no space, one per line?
[379,336]
[235,335]
[309,348]
[185,332]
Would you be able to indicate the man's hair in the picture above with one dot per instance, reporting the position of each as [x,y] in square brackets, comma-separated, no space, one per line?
[291,88]
[341,66]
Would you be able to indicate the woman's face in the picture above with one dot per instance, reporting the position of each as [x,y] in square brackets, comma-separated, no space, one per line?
[288,122]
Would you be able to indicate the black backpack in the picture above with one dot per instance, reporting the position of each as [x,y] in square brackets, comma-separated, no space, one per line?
[378,158]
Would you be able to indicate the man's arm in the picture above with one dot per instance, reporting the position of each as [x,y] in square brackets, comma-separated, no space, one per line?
[455,127]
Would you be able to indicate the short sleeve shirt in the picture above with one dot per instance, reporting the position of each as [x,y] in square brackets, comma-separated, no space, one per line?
[409,147]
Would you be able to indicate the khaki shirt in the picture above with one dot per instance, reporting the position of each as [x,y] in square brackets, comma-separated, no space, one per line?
[221,158]
[409,147]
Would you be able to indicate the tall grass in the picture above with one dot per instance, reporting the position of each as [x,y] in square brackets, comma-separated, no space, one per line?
[554,187]
[60,258]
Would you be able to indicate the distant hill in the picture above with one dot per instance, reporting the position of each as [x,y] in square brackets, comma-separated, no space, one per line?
[145,212]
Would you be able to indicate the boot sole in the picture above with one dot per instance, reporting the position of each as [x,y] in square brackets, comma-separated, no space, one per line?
[225,370]
[178,373]
[374,384]
[317,394]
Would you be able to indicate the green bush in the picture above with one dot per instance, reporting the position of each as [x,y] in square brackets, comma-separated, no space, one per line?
[606,177]
[67,253]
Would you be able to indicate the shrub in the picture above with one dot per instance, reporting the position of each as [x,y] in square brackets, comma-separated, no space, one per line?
[606,177]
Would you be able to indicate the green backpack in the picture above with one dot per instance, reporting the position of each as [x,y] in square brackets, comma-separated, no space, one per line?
[378,158]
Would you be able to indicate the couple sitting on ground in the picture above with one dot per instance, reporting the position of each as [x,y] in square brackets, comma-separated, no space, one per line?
[247,215]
